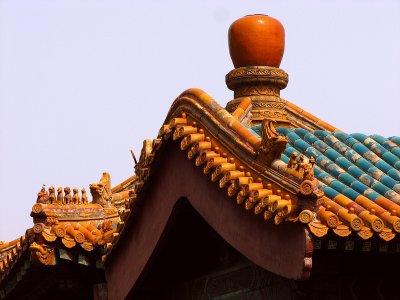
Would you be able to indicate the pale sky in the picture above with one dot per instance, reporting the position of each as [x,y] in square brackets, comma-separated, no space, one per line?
[83,82]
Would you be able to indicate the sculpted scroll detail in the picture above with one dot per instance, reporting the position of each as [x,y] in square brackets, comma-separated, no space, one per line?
[264,71]
[256,90]
[42,254]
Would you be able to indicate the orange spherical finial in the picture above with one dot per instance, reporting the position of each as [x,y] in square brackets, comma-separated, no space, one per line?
[256,40]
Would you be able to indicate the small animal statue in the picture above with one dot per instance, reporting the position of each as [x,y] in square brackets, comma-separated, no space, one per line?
[84,199]
[75,196]
[67,195]
[293,160]
[300,164]
[43,196]
[52,195]
[60,196]
[309,170]
[101,192]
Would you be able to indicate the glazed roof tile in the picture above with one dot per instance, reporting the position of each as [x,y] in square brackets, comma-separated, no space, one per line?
[356,171]
[346,163]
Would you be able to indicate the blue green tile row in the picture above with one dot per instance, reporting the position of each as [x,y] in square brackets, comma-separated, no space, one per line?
[351,165]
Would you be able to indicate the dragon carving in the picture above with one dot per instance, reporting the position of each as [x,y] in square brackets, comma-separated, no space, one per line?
[42,254]
[101,192]
[272,145]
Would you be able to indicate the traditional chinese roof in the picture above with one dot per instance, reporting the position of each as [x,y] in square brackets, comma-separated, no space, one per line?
[11,252]
[269,156]
[359,174]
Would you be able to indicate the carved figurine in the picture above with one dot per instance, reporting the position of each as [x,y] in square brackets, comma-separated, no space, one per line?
[293,160]
[272,145]
[300,164]
[42,254]
[101,192]
[67,195]
[75,196]
[52,195]
[106,226]
[60,196]
[145,155]
[43,196]
[309,170]
[84,199]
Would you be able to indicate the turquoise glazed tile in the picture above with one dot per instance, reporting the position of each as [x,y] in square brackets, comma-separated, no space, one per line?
[341,147]
[310,138]
[371,194]
[352,155]
[388,181]
[394,174]
[301,145]
[337,185]
[375,172]
[359,136]
[358,186]
[396,140]
[346,178]
[363,164]
[292,137]
[350,141]
[301,132]
[321,146]
[330,192]
[321,134]
[380,188]
[344,162]
[390,158]
[334,170]
[311,151]
[349,164]
[350,193]
[383,166]
[360,148]
[355,171]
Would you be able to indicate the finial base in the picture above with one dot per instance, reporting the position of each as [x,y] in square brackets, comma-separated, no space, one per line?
[262,84]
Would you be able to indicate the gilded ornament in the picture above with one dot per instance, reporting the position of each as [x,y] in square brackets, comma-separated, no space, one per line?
[317,228]
[52,195]
[342,230]
[42,254]
[101,192]
[306,216]
[67,195]
[268,215]
[84,199]
[272,145]
[48,235]
[60,196]
[365,233]
[75,196]
[43,196]
[37,208]
[356,223]
[387,234]
[68,241]
[38,228]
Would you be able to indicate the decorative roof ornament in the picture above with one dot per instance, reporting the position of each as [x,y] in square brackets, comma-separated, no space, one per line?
[256,46]
[272,145]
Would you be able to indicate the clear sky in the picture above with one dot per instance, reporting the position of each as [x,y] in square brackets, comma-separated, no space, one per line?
[83,82]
